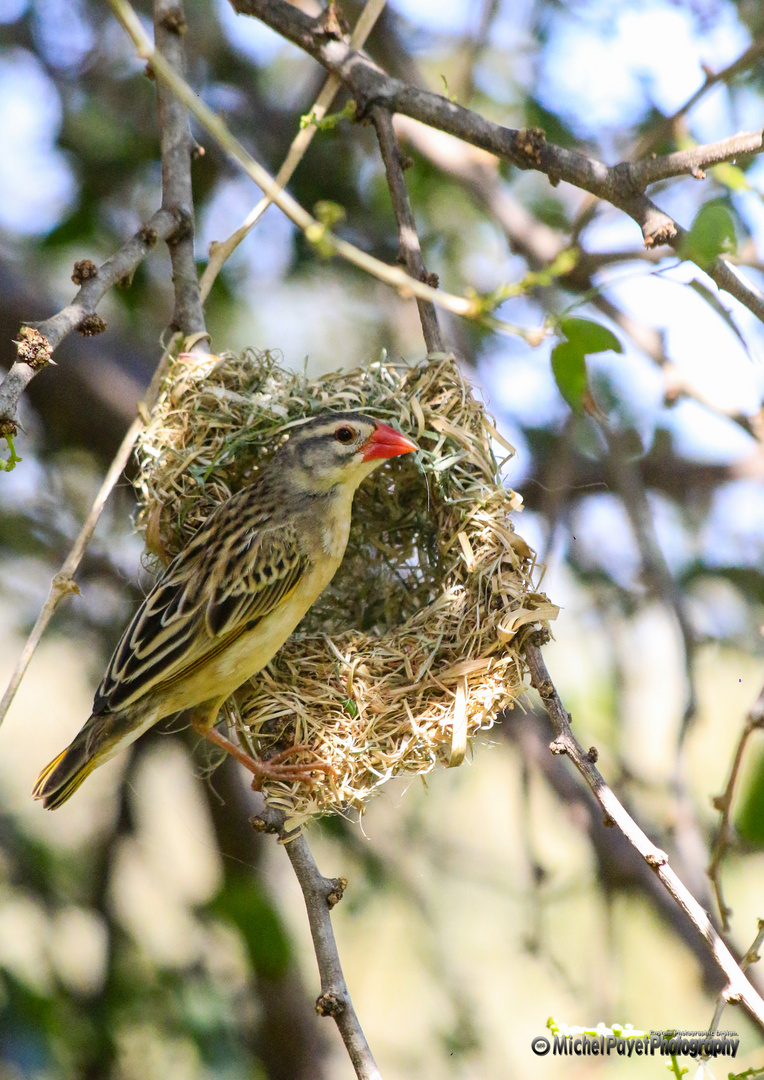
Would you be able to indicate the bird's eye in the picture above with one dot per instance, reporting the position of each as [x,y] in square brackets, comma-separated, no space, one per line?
[344,435]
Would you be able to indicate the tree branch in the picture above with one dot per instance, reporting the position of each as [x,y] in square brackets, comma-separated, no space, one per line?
[315,231]
[409,248]
[664,128]
[622,184]
[321,894]
[693,161]
[738,990]
[284,1035]
[175,148]
[35,349]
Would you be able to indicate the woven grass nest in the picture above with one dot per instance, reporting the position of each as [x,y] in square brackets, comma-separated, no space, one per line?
[413,647]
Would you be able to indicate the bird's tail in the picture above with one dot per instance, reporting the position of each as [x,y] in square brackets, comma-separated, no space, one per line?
[101,738]
[61,778]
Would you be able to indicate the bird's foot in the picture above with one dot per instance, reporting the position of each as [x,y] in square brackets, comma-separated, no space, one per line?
[272,769]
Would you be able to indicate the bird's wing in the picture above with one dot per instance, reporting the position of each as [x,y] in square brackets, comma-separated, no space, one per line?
[241,564]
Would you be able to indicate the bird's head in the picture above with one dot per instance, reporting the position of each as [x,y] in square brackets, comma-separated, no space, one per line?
[338,450]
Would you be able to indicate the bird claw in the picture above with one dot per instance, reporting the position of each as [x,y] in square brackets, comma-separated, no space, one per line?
[274,768]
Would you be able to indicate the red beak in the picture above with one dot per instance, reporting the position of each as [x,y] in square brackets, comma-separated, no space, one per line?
[386,442]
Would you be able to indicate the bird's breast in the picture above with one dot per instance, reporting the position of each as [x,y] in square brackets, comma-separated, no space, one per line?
[254,648]
[334,539]
[335,527]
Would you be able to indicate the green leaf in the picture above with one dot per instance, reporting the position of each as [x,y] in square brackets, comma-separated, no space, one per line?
[569,357]
[569,370]
[592,337]
[711,233]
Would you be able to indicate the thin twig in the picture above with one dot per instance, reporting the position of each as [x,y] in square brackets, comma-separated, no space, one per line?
[753,722]
[63,583]
[409,248]
[659,131]
[321,894]
[315,232]
[96,282]
[622,184]
[751,957]
[620,868]
[221,251]
[738,989]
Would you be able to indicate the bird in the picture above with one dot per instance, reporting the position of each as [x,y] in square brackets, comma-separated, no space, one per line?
[230,599]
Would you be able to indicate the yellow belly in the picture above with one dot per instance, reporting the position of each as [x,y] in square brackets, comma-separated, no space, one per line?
[220,676]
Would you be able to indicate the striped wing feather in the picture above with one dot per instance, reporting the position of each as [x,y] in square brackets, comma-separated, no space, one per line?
[241,564]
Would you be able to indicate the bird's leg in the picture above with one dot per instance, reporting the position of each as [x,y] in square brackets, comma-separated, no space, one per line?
[272,769]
